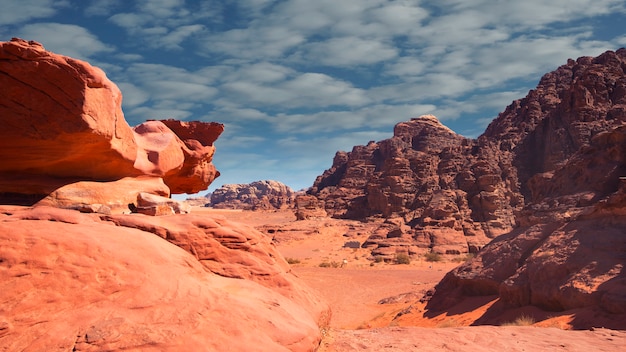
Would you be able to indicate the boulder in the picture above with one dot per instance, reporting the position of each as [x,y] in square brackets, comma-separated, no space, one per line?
[63,125]
[116,196]
[197,171]
[150,204]
[62,117]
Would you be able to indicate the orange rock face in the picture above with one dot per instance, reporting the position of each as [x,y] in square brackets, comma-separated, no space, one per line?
[60,115]
[71,281]
[62,124]
[197,172]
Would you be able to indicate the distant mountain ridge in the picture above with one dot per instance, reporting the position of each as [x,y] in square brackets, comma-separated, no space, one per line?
[257,195]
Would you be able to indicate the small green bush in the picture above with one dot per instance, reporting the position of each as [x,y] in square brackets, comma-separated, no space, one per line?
[403,258]
[433,257]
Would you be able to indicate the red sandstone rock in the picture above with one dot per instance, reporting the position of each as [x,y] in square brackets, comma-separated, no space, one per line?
[567,141]
[197,172]
[231,250]
[63,124]
[308,207]
[70,281]
[458,193]
[115,196]
[426,175]
[61,117]
[150,204]
[258,195]
[159,149]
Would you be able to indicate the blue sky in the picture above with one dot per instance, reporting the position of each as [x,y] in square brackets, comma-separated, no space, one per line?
[296,80]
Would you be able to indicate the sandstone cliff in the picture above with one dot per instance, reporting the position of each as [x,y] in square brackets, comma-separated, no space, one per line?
[258,195]
[567,141]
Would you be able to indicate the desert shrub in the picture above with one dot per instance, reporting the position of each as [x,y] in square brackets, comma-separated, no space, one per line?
[464,258]
[433,257]
[292,260]
[522,320]
[403,258]
[332,264]
[378,259]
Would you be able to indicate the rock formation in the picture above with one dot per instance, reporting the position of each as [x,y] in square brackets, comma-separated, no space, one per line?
[258,195]
[63,124]
[455,194]
[567,143]
[88,278]
[73,281]
[308,207]
[446,195]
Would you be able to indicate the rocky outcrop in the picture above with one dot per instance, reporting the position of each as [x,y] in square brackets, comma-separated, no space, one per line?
[567,142]
[63,124]
[308,207]
[569,250]
[456,194]
[72,281]
[452,198]
[151,204]
[258,195]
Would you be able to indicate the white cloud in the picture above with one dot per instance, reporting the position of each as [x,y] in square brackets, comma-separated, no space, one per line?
[132,95]
[295,90]
[263,43]
[167,24]
[173,39]
[20,11]
[370,117]
[129,21]
[65,39]
[101,7]
[140,114]
[348,51]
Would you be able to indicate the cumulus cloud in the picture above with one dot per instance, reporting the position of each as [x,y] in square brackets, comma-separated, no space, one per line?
[101,7]
[65,39]
[348,51]
[20,11]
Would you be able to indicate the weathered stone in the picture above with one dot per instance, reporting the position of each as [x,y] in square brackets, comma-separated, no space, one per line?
[308,207]
[70,281]
[150,204]
[566,141]
[63,124]
[258,195]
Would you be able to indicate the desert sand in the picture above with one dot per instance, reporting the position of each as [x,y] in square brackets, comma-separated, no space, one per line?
[355,289]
